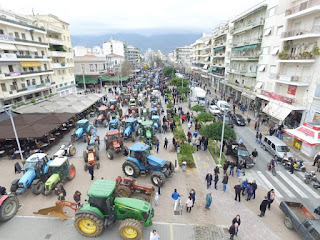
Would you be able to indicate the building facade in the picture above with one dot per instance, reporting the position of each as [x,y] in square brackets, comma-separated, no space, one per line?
[115,47]
[89,65]
[183,56]
[132,55]
[113,62]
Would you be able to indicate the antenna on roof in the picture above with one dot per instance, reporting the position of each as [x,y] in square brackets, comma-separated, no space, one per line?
[32,12]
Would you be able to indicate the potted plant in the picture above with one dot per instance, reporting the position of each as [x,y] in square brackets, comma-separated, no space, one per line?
[315,50]
[307,55]
[286,47]
[283,55]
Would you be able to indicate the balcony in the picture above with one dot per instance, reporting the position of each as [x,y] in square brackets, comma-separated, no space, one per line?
[57,54]
[247,42]
[300,34]
[59,65]
[302,9]
[14,57]
[19,74]
[13,39]
[219,55]
[20,23]
[290,79]
[247,26]
[54,29]
[31,88]
[56,41]
[254,57]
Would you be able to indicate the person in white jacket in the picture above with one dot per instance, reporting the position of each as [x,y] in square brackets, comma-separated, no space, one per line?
[189,203]
[154,235]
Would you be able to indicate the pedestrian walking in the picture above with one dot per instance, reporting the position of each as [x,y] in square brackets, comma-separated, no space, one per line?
[258,126]
[175,196]
[77,198]
[159,186]
[237,220]
[249,191]
[165,143]
[216,179]
[189,203]
[189,125]
[292,166]
[209,179]
[244,185]
[158,144]
[60,192]
[192,194]
[91,171]
[205,144]
[244,166]
[238,170]
[156,198]
[254,155]
[237,189]
[232,165]
[263,206]
[248,120]
[216,170]
[208,201]
[257,137]
[154,235]
[225,181]
[260,138]
[197,142]
[271,196]
[233,230]
[225,166]
[254,188]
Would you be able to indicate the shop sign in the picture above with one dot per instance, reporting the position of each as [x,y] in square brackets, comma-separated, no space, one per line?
[292,89]
[277,97]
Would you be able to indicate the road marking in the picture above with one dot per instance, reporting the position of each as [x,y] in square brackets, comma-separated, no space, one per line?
[171,232]
[305,186]
[301,174]
[292,184]
[284,188]
[207,157]
[198,157]
[205,164]
[269,184]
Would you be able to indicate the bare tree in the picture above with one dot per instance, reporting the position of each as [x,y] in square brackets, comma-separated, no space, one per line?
[126,69]
[158,61]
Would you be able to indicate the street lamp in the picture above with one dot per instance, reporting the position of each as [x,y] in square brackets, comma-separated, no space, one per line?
[84,79]
[8,111]
[222,136]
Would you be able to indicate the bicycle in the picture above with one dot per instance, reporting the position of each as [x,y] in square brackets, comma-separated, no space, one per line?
[272,169]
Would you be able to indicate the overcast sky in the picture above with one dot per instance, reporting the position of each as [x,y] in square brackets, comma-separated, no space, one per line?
[140,16]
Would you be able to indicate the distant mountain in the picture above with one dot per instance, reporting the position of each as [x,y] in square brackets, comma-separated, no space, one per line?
[164,42]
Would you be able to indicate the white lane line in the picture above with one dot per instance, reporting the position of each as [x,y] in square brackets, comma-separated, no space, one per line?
[294,187]
[270,186]
[301,174]
[284,188]
[305,186]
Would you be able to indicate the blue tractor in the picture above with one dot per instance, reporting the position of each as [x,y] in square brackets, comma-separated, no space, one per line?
[35,175]
[83,130]
[156,123]
[131,129]
[154,112]
[140,162]
[114,124]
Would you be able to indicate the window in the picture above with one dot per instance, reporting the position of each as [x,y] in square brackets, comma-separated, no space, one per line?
[65,84]
[91,67]
[42,53]
[27,53]
[40,40]
[45,67]
[267,32]
[314,233]
[28,82]
[10,68]
[273,146]
[307,224]
[32,37]
[41,80]
[3,87]
[275,50]
[316,21]
[16,34]
[271,11]
[36,53]
[39,68]
[23,85]
[33,82]
[23,35]
[1,31]
[279,30]
[317,92]
[59,73]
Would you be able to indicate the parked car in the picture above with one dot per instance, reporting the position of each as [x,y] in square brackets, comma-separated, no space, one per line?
[223,106]
[214,109]
[238,120]
[228,120]
[240,152]
[214,102]
[276,147]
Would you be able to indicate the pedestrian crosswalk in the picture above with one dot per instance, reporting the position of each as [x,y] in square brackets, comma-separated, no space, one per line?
[287,186]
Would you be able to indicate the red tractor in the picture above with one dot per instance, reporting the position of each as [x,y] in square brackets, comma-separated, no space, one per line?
[114,144]
[102,116]
[114,104]
[126,186]
[91,157]
[9,205]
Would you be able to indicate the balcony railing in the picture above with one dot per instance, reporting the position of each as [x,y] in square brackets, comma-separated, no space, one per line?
[289,78]
[11,38]
[30,88]
[302,6]
[247,42]
[57,54]
[21,23]
[59,65]
[253,56]
[15,56]
[300,32]
[14,74]
[56,41]
[247,25]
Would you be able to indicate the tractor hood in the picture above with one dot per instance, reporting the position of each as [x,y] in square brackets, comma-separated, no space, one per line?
[148,134]
[156,161]
[79,132]
[156,125]
[100,117]
[54,178]
[127,131]
[131,203]
[27,177]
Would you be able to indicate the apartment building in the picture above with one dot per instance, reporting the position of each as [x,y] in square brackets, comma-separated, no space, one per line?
[115,47]
[60,51]
[113,62]
[183,56]
[25,63]
[132,55]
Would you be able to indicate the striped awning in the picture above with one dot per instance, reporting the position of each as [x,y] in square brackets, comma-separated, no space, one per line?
[218,48]
[252,46]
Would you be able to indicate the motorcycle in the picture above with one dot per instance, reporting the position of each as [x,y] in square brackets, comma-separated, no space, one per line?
[316,185]
[298,165]
[310,176]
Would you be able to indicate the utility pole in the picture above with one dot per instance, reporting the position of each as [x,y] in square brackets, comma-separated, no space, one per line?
[9,112]
[84,79]
[222,136]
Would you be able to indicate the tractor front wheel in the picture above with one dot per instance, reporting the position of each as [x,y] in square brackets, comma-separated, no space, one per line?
[97,155]
[130,229]
[155,176]
[88,225]
[9,208]
[71,172]
[130,169]
[37,188]
[133,137]
[123,191]
[85,156]
[110,154]
[125,151]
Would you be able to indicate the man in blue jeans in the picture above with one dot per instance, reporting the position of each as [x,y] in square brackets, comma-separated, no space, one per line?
[225,182]
[175,196]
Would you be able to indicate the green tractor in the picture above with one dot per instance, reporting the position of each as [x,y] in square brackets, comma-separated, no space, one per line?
[147,133]
[143,114]
[103,209]
[59,171]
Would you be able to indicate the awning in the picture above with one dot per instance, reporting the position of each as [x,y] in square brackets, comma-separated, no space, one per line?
[238,48]
[210,69]
[275,50]
[30,64]
[248,95]
[32,49]
[259,85]
[267,32]
[22,48]
[261,68]
[218,48]
[277,111]
[252,46]
[306,133]
[7,46]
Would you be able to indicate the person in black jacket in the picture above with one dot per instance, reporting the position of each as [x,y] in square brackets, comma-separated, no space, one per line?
[216,179]
[263,206]
[209,179]
[237,220]
[225,166]
[237,189]
[233,230]
[254,188]
[216,170]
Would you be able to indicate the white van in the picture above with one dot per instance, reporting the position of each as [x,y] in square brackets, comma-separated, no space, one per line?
[223,106]
[276,147]
[199,96]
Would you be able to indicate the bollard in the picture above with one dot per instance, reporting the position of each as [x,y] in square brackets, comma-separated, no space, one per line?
[175,163]
[184,166]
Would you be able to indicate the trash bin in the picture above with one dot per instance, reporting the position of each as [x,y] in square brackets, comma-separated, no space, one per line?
[184,166]
[178,149]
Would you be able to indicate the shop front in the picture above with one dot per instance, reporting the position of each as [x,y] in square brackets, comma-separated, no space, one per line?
[306,138]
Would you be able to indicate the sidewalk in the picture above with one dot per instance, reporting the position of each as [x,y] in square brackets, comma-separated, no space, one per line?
[252,227]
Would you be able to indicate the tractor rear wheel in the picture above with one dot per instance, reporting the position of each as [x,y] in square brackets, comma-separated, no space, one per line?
[37,188]
[71,172]
[130,229]
[123,191]
[88,225]
[9,208]
[96,145]
[97,154]
[85,156]
[157,175]
[110,154]
[130,169]
[125,151]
